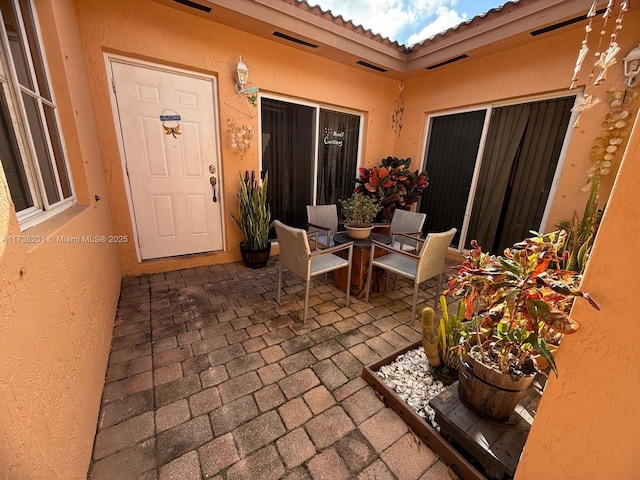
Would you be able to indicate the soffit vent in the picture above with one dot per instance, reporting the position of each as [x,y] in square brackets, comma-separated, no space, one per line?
[556,26]
[197,6]
[372,67]
[447,62]
[293,39]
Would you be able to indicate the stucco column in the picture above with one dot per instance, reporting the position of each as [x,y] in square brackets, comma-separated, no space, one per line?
[587,423]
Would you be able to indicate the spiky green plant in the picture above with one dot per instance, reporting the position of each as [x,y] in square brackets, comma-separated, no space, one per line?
[449,335]
[581,232]
[254,214]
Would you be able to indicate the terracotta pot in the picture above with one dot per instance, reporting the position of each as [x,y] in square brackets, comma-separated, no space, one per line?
[255,258]
[358,233]
[489,393]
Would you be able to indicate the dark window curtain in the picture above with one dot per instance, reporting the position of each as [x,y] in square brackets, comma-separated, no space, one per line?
[534,170]
[288,133]
[337,156]
[450,160]
[11,161]
[505,133]
[519,161]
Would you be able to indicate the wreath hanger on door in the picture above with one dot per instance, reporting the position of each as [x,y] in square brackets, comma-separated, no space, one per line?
[170,130]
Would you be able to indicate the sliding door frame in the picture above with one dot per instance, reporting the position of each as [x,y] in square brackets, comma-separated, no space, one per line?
[476,172]
[317,134]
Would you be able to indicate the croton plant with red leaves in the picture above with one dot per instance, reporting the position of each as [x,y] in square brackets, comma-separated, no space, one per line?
[517,301]
[393,184]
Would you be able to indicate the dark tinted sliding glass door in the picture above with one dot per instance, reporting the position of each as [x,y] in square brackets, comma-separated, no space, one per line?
[288,143]
[508,176]
[311,155]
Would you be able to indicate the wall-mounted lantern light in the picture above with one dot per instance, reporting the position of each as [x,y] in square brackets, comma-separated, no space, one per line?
[632,67]
[242,75]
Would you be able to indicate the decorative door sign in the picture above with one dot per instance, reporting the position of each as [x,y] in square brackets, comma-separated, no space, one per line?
[171,129]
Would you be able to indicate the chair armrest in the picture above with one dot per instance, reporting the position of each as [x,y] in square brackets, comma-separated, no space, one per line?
[325,230]
[337,248]
[312,234]
[413,238]
[389,248]
[319,227]
[407,234]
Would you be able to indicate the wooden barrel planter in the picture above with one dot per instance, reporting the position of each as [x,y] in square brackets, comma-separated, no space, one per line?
[255,258]
[489,393]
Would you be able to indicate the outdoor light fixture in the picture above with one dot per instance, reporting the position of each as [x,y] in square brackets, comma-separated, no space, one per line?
[632,67]
[242,75]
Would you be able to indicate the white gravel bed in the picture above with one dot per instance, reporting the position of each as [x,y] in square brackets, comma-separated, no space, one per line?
[409,376]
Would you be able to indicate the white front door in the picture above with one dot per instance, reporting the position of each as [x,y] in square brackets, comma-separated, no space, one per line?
[169,136]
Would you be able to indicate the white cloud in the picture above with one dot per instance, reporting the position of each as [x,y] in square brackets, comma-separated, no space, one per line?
[445,19]
[407,21]
[380,16]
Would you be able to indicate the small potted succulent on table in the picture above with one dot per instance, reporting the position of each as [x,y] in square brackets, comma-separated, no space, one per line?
[515,302]
[359,212]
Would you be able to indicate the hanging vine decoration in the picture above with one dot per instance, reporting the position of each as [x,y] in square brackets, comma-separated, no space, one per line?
[621,111]
[615,132]
[608,57]
[398,111]
[584,48]
[602,60]
[239,136]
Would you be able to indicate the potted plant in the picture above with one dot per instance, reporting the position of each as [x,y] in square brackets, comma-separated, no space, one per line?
[393,184]
[581,233]
[441,345]
[254,220]
[514,301]
[359,211]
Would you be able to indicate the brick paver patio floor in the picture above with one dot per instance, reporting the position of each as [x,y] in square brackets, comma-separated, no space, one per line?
[209,377]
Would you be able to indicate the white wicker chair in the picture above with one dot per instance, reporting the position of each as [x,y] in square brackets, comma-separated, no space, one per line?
[324,220]
[296,256]
[427,263]
[408,223]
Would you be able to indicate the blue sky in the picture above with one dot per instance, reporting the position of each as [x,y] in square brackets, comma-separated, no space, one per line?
[407,21]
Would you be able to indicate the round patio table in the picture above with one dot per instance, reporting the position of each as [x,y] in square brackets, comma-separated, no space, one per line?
[360,264]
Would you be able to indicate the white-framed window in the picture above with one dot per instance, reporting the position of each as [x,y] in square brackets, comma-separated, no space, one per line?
[31,145]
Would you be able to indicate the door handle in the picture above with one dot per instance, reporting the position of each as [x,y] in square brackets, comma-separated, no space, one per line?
[213,182]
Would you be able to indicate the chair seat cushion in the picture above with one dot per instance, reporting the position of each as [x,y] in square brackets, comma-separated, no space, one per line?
[397,263]
[322,239]
[326,263]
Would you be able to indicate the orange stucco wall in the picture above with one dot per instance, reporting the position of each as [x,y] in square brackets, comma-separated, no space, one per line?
[587,422]
[57,300]
[150,31]
[543,65]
